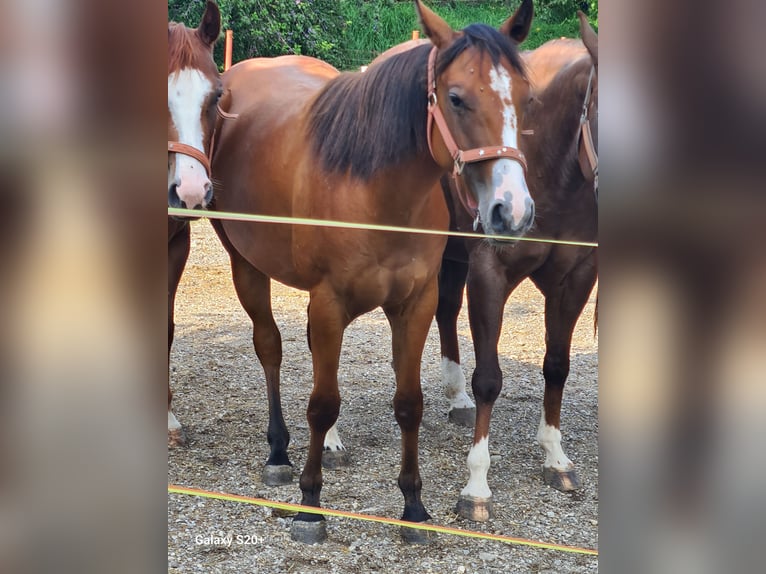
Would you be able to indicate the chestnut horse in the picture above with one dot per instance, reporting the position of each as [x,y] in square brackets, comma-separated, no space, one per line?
[561,149]
[193,90]
[365,148]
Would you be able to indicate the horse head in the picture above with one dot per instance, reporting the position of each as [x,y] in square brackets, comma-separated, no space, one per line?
[194,87]
[478,90]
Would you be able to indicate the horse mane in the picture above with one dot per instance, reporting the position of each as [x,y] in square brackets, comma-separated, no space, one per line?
[365,122]
[182,50]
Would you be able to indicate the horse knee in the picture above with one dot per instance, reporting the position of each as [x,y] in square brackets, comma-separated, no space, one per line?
[408,411]
[323,411]
[556,368]
[486,384]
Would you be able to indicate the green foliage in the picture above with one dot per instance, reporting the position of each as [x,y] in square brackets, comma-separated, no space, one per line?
[350,33]
[271,27]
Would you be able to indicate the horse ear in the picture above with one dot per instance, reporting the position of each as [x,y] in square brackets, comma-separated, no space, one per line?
[437,30]
[517,26]
[210,26]
[589,37]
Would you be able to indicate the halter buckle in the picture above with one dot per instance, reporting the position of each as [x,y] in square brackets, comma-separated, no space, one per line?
[459,163]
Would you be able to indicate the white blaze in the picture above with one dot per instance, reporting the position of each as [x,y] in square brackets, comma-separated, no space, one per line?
[187,91]
[478,466]
[549,437]
[509,172]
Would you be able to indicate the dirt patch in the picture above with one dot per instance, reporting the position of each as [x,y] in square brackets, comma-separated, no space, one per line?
[220,399]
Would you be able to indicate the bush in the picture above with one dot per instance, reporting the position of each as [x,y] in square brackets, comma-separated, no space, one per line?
[350,33]
[272,27]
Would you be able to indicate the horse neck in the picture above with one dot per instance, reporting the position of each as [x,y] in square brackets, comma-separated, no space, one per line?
[557,128]
[403,193]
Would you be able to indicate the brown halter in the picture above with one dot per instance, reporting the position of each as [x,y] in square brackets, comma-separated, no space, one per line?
[460,157]
[191,151]
[588,157]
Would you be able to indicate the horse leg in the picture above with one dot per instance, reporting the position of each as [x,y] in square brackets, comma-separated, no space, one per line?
[328,320]
[488,291]
[410,323]
[335,455]
[178,252]
[452,278]
[254,292]
[564,302]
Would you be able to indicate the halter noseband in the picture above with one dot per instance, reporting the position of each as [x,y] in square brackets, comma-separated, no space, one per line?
[191,151]
[460,157]
[588,156]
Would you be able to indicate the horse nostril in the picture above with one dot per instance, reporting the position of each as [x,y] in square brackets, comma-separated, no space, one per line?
[173,199]
[208,193]
[496,219]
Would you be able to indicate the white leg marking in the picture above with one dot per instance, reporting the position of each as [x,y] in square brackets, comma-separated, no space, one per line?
[173,423]
[549,437]
[332,439]
[478,466]
[454,383]
[188,90]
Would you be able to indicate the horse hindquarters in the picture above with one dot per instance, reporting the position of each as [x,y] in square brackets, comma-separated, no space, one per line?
[179,244]
[254,292]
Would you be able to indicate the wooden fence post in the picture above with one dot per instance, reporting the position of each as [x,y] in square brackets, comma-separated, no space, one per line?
[227,50]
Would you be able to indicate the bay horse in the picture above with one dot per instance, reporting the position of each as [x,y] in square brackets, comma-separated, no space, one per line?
[194,87]
[369,147]
[561,127]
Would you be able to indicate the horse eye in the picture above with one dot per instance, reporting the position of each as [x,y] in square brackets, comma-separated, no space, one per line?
[455,100]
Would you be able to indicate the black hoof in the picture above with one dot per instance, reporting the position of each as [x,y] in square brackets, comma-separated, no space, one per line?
[463,417]
[309,532]
[476,509]
[332,459]
[176,437]
[563,480]
[416,535]
[277,475]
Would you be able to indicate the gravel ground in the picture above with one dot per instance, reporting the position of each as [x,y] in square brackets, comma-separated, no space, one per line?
[220,399]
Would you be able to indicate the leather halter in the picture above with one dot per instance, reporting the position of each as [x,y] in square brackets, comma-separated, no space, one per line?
[191,151]
[588,157]
[460,157]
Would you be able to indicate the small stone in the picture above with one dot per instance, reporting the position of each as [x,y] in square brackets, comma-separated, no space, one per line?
[487,556]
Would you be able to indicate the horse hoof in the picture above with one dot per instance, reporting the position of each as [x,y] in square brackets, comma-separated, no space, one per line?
[463,417]
[563,480]
[309,532]
[416,535]
[476,509]
[176,437]
[277,475]
[332,459]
